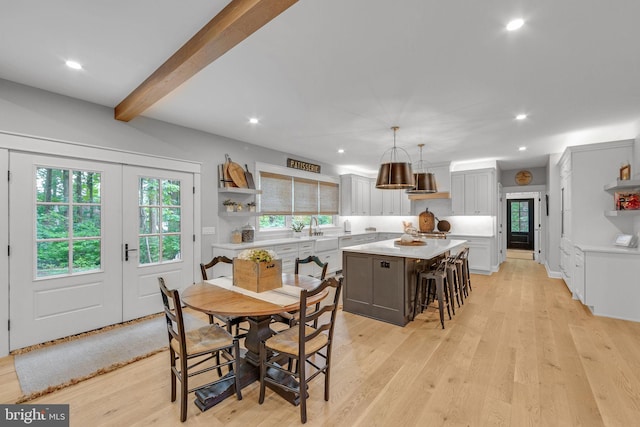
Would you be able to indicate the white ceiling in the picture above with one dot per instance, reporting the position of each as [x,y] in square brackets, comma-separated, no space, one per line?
[330,74]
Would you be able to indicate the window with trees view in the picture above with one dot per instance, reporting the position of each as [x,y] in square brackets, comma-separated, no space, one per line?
[286,199]
[160,220]
[68,223]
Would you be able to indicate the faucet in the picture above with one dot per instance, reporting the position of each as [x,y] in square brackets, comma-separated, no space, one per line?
[311,232]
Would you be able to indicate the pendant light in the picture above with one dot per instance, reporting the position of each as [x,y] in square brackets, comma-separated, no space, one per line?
[425,181]
[394,174]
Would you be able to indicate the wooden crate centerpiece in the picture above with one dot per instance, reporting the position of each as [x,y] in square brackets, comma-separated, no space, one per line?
[257,270]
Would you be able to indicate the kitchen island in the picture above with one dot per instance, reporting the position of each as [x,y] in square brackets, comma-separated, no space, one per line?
[379,277]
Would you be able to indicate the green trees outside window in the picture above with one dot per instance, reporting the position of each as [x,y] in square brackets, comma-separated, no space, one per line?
[68,221]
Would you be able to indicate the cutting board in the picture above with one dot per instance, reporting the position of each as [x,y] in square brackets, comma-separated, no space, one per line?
[237,174]
[412,243]
[249,177]
[228,182]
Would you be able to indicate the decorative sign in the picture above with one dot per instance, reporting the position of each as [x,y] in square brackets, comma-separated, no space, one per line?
[304,166]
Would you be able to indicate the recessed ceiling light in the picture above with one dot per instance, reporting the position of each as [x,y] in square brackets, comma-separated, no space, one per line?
[254,121]
[521,116]
[522,148]
[515,24]
[341,151]
[73,64]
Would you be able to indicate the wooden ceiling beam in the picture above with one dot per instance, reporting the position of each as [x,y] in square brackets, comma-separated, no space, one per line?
[237,21]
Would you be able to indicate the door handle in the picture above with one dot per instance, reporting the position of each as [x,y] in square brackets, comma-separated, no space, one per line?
[127,250]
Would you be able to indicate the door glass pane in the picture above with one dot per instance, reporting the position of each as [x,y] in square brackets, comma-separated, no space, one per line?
[56,232]
[160,220]
[53,258]
[149,249]
[86,255]
[52,185]
[86,187]
[171,247]
[149,220]
[170,193]
[86,221]
[519,217]
[171,220]
[52,221]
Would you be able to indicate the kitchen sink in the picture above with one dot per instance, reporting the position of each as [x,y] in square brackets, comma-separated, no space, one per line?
[325,244]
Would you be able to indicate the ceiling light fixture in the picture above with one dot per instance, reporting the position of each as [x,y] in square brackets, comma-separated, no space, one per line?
[73,64]
[254,121]
[515,24]
[395,174]
[521,116]
[522,148]
[341,151]
[425,181]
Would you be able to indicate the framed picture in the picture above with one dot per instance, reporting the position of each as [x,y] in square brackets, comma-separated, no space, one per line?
[625,172]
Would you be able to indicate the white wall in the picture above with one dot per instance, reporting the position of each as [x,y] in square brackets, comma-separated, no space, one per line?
[29,111]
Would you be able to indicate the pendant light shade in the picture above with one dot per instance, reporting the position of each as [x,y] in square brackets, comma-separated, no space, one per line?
[395,174]
[425,181]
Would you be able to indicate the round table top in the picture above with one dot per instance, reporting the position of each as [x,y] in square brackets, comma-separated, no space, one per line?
[212,299]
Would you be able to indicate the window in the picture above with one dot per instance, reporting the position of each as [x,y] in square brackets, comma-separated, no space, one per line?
[287,198]
[68,223]
[160,220]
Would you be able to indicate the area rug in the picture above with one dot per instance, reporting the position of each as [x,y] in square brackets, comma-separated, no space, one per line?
[52,367]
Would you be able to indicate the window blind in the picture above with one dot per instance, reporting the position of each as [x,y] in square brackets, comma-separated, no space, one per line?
[277,192]
[328,198]
[305,196]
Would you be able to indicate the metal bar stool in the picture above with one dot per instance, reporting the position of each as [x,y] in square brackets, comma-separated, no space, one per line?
[464,255]
[424,288]
[454,283]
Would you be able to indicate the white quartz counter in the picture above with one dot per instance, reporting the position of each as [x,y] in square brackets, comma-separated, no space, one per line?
[284,241]
[432,249]
[608,249]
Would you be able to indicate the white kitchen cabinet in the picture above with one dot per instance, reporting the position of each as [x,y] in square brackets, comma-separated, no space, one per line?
[375,205]
[611,282]
[288,254]
[473,192]
[355,195]
[480,250]
[389,202]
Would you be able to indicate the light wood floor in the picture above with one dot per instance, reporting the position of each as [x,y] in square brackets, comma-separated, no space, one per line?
[519,352]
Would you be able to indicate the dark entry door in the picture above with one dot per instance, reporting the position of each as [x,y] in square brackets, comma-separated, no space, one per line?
[520,224]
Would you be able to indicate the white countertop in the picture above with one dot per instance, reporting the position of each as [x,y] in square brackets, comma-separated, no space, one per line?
[432,249]
[608,249]
[285,240]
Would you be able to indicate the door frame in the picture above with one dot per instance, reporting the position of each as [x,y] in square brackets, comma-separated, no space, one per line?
[539,221]
[530,219]
[48,146]
[4,260]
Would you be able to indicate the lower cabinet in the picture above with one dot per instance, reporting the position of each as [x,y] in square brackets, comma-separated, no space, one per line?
[480,250]
[377,286]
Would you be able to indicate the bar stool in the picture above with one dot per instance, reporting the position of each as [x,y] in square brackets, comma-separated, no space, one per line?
[424,286]
[465,269]
[453,278]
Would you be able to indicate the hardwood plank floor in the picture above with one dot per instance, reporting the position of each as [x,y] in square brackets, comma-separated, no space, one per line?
[519,352]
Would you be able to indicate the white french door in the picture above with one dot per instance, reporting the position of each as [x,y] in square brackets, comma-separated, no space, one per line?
[157,236]
[70,223]
[65,268]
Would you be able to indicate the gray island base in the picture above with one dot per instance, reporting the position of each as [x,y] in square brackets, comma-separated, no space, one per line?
[379,278]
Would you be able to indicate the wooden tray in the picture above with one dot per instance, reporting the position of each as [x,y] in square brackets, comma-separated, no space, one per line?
[413,243]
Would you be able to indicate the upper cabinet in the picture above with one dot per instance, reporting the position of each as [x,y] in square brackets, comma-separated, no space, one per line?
[355,195]
[473,192]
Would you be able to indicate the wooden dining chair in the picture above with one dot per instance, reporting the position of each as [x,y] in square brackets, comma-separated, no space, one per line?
[228,321]
[300,343]
[291,318]
[200,345]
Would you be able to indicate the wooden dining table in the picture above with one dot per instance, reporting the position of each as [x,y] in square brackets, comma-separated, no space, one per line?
[211,299]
